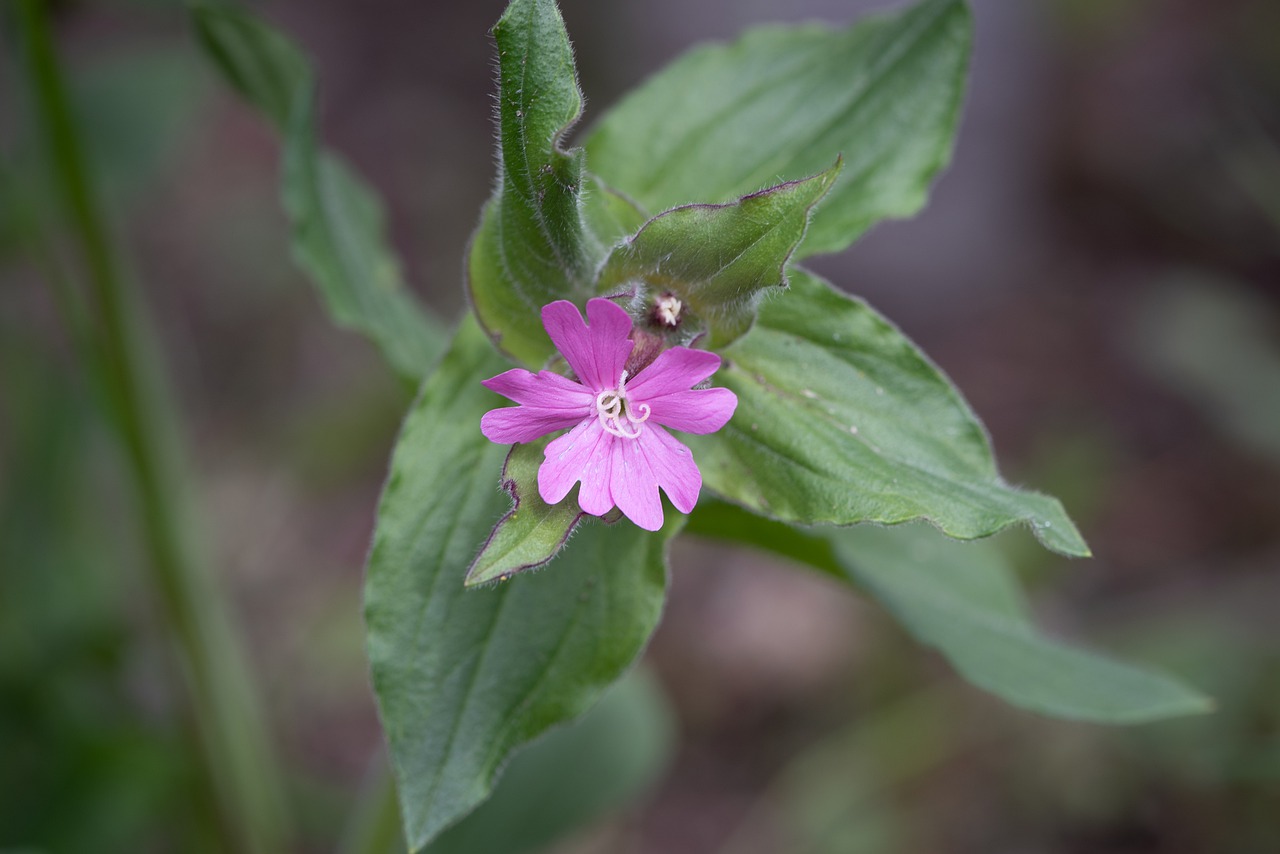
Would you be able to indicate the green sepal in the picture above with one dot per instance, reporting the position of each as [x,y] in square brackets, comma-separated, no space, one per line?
[719,259]
[533,531]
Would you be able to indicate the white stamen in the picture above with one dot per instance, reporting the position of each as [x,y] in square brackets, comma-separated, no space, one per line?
[612,405]
[668,308]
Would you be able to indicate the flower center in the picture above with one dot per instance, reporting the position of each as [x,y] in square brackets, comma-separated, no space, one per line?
[618,414]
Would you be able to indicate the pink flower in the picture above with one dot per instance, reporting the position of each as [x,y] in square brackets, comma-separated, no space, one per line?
[618,447]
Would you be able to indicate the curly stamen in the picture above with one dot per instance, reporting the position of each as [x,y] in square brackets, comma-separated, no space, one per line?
[612,405]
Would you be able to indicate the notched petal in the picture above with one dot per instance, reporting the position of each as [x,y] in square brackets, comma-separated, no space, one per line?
[634,484]
[597,353]
[673,467]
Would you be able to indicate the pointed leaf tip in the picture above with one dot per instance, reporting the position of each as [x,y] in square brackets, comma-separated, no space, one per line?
[842,420]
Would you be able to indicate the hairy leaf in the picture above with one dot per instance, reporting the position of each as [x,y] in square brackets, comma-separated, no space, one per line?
[464,677]
[841,420]
[338,233]
[725,120]
[719,259]
[533,245]
[610,215]
[601,763]
[964,600]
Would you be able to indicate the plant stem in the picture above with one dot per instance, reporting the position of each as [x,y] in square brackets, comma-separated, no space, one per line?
[374,826]
[223,706]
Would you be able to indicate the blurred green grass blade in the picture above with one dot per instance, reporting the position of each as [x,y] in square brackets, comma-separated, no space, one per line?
[465,677]
[75,741]
[137,106]
[374,825]
[338,231]
[781,102]
[963,600]
[238,766]
[1215,342]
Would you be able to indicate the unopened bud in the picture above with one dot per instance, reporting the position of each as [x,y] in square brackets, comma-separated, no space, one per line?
[646,349]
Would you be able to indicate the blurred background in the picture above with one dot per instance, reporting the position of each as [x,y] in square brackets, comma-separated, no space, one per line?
[1098,271]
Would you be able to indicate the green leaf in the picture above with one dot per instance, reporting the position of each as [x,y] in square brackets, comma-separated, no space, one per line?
[464,677]
[339,238]
[717,520]
[265,67]
[724,120]
[573,775]
[533,245]
[611,215]
[842,420]
[338,233]
[532,533]
[719,259]
[964,600]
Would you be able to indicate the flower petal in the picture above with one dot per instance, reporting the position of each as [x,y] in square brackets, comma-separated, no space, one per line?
[526,423]
[596,496]
[597,353]
[572,457]
[673,466]
[703,410]
[633,483]
[677,369]
[544,389]
[549,401]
